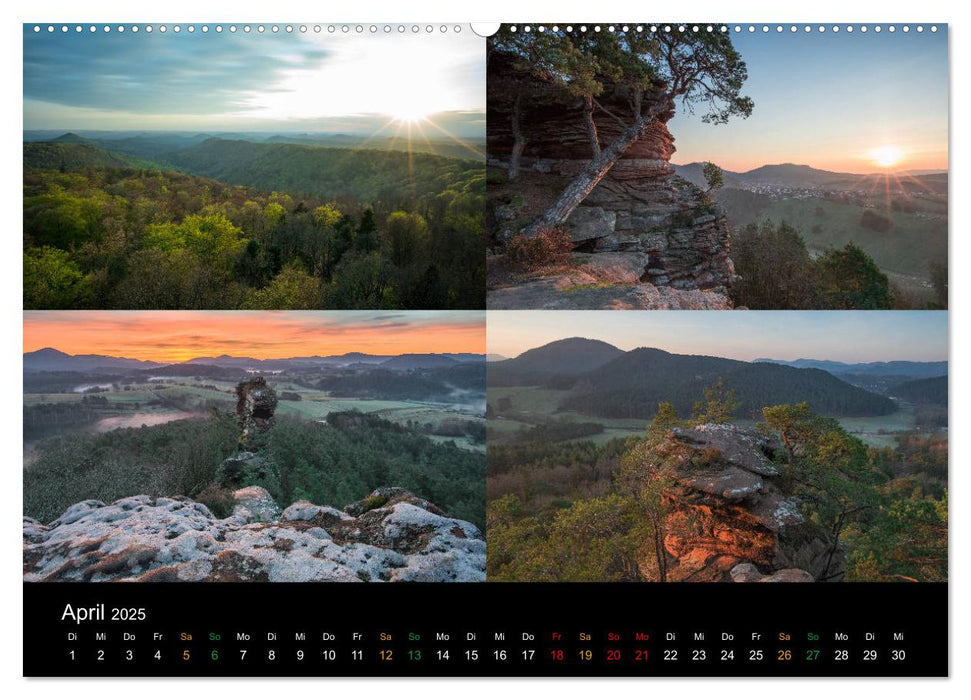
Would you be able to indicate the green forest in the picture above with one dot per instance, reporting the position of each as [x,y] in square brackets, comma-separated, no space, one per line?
[333,463]
[282,227]
[579,511]
[778,271]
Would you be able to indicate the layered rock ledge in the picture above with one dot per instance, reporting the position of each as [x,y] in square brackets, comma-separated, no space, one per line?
[668,228]
[729,519]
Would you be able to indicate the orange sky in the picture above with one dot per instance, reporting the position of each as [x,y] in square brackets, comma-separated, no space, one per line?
[173,336]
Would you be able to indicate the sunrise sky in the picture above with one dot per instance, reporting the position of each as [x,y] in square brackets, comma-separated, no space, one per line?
[174,336]
[313,81]
[835,101]
[844,336]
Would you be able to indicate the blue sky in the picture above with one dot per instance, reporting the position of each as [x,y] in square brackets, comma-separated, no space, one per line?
[827,100]
[846,336]
[251,82]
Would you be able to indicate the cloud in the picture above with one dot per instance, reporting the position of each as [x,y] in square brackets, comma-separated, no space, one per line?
[158,73]
[178,335]
[249,81]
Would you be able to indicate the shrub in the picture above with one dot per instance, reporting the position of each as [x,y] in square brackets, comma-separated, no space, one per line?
[551,246]
[217,499]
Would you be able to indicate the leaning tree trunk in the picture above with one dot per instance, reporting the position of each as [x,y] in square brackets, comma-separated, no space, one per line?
[591,175]
[519,141]
[591,125]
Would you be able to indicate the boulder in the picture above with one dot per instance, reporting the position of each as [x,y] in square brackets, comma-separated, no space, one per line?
[255,504]
[746,572]
[590,223]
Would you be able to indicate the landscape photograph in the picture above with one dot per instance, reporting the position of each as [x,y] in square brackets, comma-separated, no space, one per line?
[254,446]
[229,170]
[706,168]
[715,446]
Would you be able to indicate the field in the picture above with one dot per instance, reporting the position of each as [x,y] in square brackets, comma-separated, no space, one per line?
[519,408]
[159,402]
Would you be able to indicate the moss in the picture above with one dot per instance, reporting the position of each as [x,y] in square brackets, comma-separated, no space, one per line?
[372,502]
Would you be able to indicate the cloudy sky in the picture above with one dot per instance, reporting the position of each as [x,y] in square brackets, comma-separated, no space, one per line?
[253,82]
[830,101]
[174,336]
[845,336]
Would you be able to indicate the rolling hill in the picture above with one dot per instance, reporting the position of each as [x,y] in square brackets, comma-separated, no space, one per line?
[930,390]
[367,175]
[561,359]
[70,153]
[632,386]
[610,383]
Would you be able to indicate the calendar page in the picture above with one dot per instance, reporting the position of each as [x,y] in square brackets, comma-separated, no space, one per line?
[538,350]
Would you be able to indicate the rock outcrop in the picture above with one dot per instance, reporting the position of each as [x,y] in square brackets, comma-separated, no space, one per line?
[729,519]
[255,405]
[391,535]
[602,281]
[639,208]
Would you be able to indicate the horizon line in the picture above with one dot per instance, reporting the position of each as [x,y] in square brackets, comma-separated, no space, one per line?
[247,356]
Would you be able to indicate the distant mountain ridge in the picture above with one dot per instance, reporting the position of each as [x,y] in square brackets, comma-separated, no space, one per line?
[52,360]
[618,384]
[895,367]
[797,176]
[148,144]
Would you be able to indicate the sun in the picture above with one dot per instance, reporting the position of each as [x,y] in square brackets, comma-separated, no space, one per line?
[886,156]
[408,116]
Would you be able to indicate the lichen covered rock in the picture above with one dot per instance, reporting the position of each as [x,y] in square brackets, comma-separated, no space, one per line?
[176,539]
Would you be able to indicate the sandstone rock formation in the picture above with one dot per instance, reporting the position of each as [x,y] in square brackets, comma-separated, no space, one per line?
[639,208]
[602,281]
[389,536]
[729,519]
[255,405]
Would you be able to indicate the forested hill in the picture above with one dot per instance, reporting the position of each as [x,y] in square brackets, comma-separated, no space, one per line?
[931,390]
[557,362]
[371,176]
[315,228]
[632,386]
[67,155]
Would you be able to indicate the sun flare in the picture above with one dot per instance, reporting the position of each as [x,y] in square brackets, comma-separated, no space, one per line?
[408,116]
[886,156]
